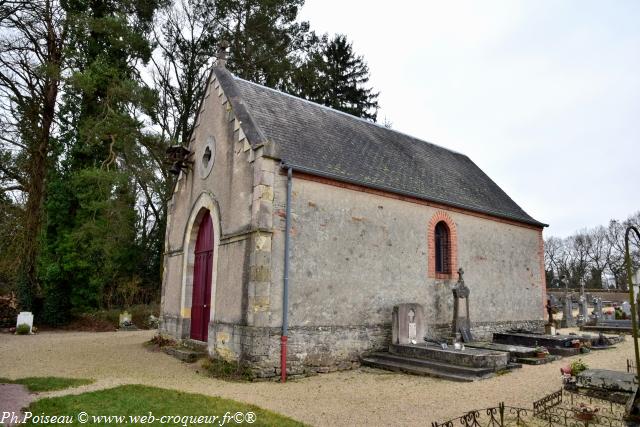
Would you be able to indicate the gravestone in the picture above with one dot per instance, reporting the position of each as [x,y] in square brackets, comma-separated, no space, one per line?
[407,324]
[626,308]
[461,325]
[25,318]
[597,309]
[583,313]
[568,321]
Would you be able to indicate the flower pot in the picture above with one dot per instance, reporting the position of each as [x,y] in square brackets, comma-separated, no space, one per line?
[575,345]
[541,355]
[585,416]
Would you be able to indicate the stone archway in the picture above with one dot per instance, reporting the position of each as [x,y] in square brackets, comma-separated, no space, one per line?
[205,206]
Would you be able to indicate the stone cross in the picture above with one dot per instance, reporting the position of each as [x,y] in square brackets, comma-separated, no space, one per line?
[461,324]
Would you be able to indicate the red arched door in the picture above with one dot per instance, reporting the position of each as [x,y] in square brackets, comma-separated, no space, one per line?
[202,271]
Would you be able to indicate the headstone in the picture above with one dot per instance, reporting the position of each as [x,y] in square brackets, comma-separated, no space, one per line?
[568,321]
[461,324]
[626,308]
[125,319]
[407,324]
[583,313]
[25,318]
[597,309]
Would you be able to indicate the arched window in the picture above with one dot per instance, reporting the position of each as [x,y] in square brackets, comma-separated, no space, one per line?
[442,248]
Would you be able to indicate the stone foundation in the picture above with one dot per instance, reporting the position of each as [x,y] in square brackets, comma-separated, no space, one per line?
[321,349]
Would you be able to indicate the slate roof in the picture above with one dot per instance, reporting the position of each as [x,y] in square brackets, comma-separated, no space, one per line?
[321,141]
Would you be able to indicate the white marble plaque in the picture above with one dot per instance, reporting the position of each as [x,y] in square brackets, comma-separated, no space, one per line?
[412,331]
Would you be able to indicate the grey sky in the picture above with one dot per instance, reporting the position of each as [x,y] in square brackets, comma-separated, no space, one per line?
[543,95]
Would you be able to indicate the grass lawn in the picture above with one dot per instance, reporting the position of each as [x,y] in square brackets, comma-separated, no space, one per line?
[136,400]
[38,384]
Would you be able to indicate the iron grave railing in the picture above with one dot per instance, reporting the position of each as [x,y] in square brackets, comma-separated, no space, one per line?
[560,408]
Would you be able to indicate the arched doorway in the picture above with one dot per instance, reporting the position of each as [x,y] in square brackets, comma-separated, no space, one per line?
[202,273]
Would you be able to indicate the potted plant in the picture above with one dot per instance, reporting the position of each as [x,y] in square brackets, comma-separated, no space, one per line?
[541,352]
[578,366]
[585,412]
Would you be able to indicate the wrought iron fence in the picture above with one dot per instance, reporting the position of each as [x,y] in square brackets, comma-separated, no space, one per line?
[631,366]
[498,416]
[560,408]
[569,400]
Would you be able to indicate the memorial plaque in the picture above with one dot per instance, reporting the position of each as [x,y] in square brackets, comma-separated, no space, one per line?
[407,324]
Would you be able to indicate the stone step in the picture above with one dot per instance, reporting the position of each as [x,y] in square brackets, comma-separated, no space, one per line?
[404,366]
[537,360]
[435,365]
[194,345]
[185,354]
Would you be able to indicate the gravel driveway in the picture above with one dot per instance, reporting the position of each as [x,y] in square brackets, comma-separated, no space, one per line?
[362,397]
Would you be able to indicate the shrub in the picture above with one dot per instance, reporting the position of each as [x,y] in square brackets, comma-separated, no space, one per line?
[162,341]
[578,366]
[23,329]
[222,369]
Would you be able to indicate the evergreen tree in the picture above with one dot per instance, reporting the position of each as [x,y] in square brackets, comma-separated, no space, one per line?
[333,75]
[92,234]
[265,38]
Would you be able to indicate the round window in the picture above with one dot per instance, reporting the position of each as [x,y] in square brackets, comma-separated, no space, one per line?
[207,157]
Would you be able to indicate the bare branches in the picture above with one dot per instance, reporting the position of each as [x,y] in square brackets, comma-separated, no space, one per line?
[595,257]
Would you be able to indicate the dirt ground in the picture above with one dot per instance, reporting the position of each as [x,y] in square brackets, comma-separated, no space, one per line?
[361,397]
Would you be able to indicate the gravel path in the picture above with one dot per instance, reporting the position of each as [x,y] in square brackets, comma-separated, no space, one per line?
[13,397]
[362,397]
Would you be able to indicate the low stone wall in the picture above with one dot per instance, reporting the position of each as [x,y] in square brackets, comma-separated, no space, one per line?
[613,296]
[323,348]
[483,331]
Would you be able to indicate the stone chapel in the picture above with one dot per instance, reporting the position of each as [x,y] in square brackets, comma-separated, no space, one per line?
[294,229]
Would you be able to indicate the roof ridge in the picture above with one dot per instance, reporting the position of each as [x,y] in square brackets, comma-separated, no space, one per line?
[346,114]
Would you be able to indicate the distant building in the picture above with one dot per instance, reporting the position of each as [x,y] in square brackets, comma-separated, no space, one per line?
[377,218]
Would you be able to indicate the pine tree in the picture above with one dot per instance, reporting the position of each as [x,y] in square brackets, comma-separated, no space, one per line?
[265,38]
[333,75]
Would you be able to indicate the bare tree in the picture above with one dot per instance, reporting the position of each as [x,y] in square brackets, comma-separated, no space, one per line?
[185,36]
[31,60]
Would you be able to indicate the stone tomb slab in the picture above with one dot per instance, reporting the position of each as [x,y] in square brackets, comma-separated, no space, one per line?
[517,353]
[615,386]
[556,344]
[470,357]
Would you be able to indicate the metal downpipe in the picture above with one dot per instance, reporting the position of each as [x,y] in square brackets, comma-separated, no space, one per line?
[285,290]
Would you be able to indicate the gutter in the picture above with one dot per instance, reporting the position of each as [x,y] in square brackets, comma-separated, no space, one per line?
[285,297]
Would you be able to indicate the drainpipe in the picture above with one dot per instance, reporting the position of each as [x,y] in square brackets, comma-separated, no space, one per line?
[285,296]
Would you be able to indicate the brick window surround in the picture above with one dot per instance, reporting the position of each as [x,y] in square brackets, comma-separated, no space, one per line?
[442,216]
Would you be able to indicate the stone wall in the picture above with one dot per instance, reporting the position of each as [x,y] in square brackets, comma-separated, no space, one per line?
[355,255]
[324,349]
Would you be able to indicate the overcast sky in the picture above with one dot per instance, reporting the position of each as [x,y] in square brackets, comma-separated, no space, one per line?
[544,96]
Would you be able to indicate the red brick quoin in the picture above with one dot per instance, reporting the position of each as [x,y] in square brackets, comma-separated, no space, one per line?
[431,246]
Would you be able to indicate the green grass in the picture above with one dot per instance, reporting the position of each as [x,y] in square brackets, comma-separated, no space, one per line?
[137,400]
[38,384]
